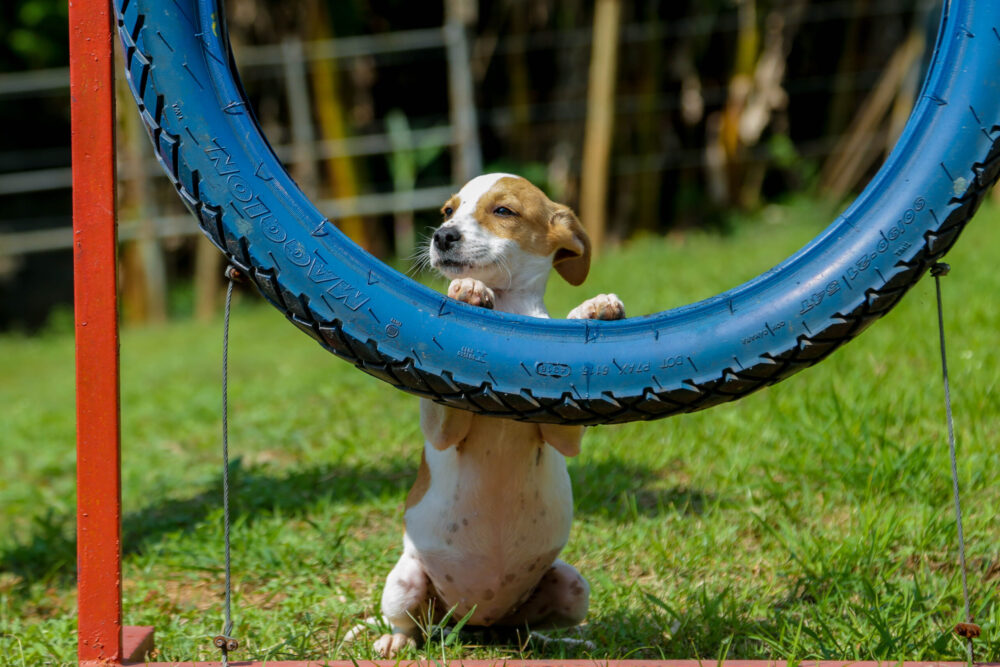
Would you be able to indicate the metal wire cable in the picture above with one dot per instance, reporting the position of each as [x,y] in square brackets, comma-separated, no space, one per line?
[228,628]
[937,271]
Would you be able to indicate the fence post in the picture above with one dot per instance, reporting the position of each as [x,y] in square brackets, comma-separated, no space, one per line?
[144,288]
[468,160]
[304,167]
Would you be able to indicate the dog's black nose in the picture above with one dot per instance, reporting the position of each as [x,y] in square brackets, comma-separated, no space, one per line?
[446,237]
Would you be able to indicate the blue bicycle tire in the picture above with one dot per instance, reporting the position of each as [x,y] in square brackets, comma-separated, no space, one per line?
[181,71]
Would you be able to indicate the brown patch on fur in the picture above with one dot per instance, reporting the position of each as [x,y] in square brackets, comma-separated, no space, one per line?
[488,594]
[531,212]
[422,483]
[538,225]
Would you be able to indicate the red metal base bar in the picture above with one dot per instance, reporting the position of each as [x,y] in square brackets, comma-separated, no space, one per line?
[137,643]
[575,663]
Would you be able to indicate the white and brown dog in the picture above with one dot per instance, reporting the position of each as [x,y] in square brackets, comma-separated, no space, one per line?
[492,504]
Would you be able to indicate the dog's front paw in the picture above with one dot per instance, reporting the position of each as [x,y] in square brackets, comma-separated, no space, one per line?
[601,307]
[472,292]
[390,645]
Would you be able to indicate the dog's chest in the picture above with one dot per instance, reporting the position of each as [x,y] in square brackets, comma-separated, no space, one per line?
[494,517]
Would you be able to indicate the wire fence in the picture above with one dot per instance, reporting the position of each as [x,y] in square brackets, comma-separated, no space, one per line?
[278,77]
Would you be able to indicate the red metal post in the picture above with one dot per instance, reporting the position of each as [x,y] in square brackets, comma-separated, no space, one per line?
[96,304]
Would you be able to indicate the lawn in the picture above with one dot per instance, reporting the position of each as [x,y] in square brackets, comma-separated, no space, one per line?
[811,520]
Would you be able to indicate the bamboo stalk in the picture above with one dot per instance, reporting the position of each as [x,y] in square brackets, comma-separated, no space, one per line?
[855,152]
[599,127]
[341,171]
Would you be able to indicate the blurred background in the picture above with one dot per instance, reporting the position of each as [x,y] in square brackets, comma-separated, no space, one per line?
[650,117]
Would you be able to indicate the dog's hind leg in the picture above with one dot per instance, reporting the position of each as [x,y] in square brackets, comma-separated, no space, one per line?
[404,599]
[561,599]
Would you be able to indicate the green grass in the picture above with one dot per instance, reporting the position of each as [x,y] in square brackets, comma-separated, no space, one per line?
[812,520]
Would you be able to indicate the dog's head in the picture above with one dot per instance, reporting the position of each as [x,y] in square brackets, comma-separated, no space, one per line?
[504,231]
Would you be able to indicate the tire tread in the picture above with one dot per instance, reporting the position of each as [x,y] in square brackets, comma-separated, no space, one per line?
[407,373]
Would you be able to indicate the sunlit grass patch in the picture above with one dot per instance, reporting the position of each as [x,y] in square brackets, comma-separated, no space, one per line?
[812,520]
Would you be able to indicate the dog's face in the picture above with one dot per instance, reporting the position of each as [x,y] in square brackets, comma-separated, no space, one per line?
[502,230]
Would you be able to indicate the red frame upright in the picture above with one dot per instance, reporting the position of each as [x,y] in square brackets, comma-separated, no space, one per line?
[96,305]
[101,637]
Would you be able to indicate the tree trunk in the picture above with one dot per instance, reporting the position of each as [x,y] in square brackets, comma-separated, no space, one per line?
[207,279]
[647,184]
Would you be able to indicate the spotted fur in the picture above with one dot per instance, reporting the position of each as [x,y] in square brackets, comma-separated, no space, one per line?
[492,504]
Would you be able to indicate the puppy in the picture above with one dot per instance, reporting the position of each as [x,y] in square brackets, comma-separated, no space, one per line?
[492,504]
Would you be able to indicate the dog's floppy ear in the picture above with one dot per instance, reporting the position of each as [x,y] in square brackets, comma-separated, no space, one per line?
[572,258]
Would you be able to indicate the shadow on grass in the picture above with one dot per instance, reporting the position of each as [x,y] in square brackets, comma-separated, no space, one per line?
[49,553]
[714,625]
[624,490]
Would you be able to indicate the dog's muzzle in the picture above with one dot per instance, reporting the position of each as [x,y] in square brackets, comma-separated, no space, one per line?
[446,237]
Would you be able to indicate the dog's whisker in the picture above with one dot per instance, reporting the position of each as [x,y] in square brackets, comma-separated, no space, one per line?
[422,246]
[420,259]
[505,265]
